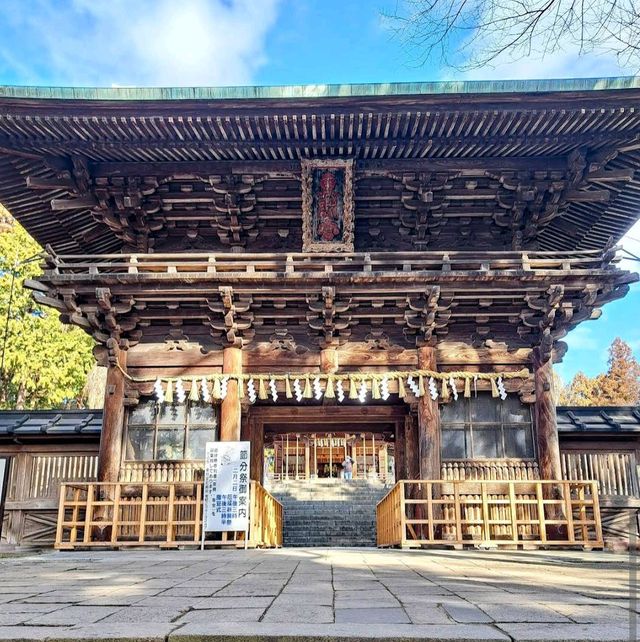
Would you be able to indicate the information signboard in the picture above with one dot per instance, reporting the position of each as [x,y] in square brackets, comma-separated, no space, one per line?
[226,487]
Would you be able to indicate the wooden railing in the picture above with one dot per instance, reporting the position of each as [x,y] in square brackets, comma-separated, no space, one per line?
[309,264]
[162,471]
[165,515]
[495,513]
[615,472]
[490,469]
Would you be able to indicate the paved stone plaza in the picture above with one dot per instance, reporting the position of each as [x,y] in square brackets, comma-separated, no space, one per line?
[305,594]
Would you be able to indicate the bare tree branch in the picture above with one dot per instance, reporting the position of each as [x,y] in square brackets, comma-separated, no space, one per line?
[469,34]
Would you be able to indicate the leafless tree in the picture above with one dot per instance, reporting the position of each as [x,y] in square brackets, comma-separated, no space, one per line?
[468,34]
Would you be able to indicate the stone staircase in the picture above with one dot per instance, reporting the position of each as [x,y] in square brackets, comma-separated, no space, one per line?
[329,512]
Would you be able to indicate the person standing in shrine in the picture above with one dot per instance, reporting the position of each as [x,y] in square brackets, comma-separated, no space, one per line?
[347,468]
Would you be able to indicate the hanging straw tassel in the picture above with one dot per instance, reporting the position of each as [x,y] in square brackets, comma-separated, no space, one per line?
[329,391]
[193,393]
[307,393]
[402,393]
[375,388]
[467,387]
[421,388]
[444,391]
[494,388]
[353,389]
[262,390]
[168,395]
[217,389]
[287,388]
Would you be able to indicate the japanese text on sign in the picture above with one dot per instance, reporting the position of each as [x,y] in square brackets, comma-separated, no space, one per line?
[226,486]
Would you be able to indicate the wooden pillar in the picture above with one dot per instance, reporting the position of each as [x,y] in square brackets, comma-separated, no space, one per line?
[428,423]
[354,456]
[111,436]
[399,451]
[230,413]
[307,457]
[546,422]
[412,462]
[256,436]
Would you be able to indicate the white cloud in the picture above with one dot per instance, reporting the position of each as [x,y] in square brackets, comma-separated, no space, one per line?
[631,243]
[581,338]
[141,42]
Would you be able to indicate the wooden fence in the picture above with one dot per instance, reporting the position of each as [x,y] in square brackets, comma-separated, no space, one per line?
[163,515]
[496,513]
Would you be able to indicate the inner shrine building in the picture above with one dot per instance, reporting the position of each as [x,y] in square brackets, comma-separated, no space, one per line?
[384,272]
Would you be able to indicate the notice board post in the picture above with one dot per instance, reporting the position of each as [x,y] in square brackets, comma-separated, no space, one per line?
[226,488]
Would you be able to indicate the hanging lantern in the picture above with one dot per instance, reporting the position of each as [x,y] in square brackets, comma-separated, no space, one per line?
[193,393]
[159,392]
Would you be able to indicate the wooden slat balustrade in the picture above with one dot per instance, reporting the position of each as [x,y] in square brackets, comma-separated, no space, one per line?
[490,513]
[616,472]
[295,263]
[163,515]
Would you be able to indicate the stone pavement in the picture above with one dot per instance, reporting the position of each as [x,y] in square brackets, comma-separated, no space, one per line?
[312,594]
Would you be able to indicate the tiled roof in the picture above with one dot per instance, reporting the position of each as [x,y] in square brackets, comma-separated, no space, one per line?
[605,419]
[50,423]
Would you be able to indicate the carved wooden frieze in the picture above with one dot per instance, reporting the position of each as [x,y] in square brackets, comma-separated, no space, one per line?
[327,205]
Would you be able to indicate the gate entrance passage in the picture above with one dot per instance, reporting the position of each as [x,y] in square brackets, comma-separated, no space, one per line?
[321,455]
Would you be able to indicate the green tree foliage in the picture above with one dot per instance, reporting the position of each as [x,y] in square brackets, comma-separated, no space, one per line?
[45,362]
[619,386]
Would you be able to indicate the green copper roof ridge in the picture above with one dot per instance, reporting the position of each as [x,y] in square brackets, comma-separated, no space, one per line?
[266,92]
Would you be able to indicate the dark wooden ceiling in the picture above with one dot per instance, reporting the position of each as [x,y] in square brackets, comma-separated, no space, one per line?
[549,171]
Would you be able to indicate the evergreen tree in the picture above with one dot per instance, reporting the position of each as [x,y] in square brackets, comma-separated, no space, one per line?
[619,386]
[43,362]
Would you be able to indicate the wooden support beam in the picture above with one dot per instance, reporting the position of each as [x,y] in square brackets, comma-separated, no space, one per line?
[230,412]
[412,463]
[546,421]
[399,450]
[256,436]
[428,422]
[111,436]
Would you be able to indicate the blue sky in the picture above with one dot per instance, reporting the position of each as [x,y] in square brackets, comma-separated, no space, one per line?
[229,42]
